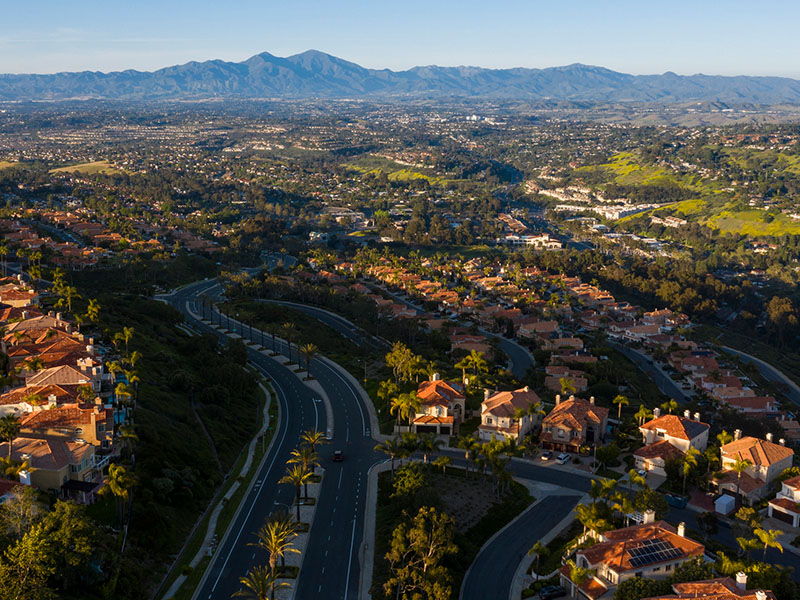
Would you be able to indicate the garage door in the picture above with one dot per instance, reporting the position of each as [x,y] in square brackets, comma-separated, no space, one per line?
[782,516]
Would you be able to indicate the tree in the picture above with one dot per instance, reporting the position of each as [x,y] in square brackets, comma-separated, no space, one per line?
[669,406]
[9,430]
[770,539]
[739,466]
[312,439]
[443,462]
[620,401]
[119,484]
[708,523]
[416,551]
[538,550]
[428,444]
[309,351]
[259,584]
[688,464]
[643,414]
[307,459]
[387,389]
[567,385]
[276,536]
[392,447]
[589,515]
[93,311]
[577,576]
[724,438]
[297,477]
[289,333]
[20,512]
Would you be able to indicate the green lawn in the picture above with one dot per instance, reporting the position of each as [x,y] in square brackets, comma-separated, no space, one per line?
[90,168]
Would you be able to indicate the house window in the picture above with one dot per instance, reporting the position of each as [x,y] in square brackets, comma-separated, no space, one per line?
[488,420]
[655,569]
[101,428]
[78,431]
[668,568]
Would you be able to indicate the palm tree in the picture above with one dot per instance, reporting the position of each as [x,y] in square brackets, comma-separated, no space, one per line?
[12,468]
[386,389]
[669,406]
[93,311]
[567,385]
[9,430]
[306,458]
[635,479]
[392,447]
[537,550]
[589,516]
[739,466]
[620,401]
[724,438]
[398,407]
[443,462]
[297,477]
[643,414]
[118,484]
[689,463]
[769,539]
[309,351]
[128,439]
[470,446]
[289,332]
[259,584]
[577,576]
[276,536]
[313,439]
[127,336]
[429,443]
[33,364]
[3,254]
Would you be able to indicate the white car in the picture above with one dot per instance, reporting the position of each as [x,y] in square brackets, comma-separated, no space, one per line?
[563,458]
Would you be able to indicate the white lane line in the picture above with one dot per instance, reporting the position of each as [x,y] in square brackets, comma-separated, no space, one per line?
[263,487]
[356,396]
[350,560]
[340,479]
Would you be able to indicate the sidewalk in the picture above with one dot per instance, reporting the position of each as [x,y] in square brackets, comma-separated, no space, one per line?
[206,546]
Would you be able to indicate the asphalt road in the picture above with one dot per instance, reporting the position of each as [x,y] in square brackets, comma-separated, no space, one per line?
[492,573]
[661,379]
[770,373]
[331,566]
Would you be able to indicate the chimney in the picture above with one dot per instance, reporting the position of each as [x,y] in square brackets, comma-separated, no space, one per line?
[486,393]
[25,314]
[527,388]
[768,437]
[682,529]
[572,397]
[52,399]
[737,434]
[558,399]
[591,399]
[687,414]
[58,316]
[761,595]
[782,442]
[741,580]
[656,412]
[436,377]
[90,349]
[649,517]
[697,416]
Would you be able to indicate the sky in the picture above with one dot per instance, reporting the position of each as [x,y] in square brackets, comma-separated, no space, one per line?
[726,37]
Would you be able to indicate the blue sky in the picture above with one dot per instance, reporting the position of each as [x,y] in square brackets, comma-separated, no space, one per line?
[704,36]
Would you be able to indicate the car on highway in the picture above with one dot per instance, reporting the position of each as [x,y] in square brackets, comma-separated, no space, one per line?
[546,455]
[563,458]
[338,456]
[551,591]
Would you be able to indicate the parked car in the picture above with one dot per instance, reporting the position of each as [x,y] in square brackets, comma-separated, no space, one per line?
[563,458]
[546,455]
[337,456]
[641,473]
[551,591]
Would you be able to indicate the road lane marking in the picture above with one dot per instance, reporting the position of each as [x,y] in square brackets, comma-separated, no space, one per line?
[350,560]
[340,479]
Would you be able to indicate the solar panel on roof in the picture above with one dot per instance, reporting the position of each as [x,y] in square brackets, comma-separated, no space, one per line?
[649,552]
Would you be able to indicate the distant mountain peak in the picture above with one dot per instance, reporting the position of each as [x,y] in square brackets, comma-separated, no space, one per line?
[316,74]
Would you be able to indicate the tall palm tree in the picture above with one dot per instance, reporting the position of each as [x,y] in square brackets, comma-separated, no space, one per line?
[9,430]
[276,536]
[259,584]
[93,311]
[312,438]
[689,462]
[297,477]
[643,414]
[470,446]
[386,390]
[119,483]
[127,336]
[724,438]
[620,401]
[306,458]
[739,466]
[391,447]
[567,385]
[770,539]
[577,576]
[309,351]
[429,444]
[289,333]
[443,462]
[669,406]
[635,479]
[538,550]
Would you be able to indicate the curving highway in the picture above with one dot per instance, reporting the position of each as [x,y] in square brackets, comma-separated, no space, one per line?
[331,566]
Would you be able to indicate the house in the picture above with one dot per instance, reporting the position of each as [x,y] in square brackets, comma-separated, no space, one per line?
[651,550]
[442,407]
[498,414]
[574,423]
[723,588]
[66,468]
[785,506]
[768,460]
[669,436]
[94,424]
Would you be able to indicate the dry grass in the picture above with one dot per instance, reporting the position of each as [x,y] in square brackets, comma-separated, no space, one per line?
[100,166]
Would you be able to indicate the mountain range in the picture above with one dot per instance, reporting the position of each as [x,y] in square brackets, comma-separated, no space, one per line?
[314,74]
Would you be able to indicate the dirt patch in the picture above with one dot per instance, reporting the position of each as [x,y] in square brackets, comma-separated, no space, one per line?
[467,500]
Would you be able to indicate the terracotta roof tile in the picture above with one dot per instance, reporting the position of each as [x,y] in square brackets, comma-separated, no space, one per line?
[677,426]
[759,452]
